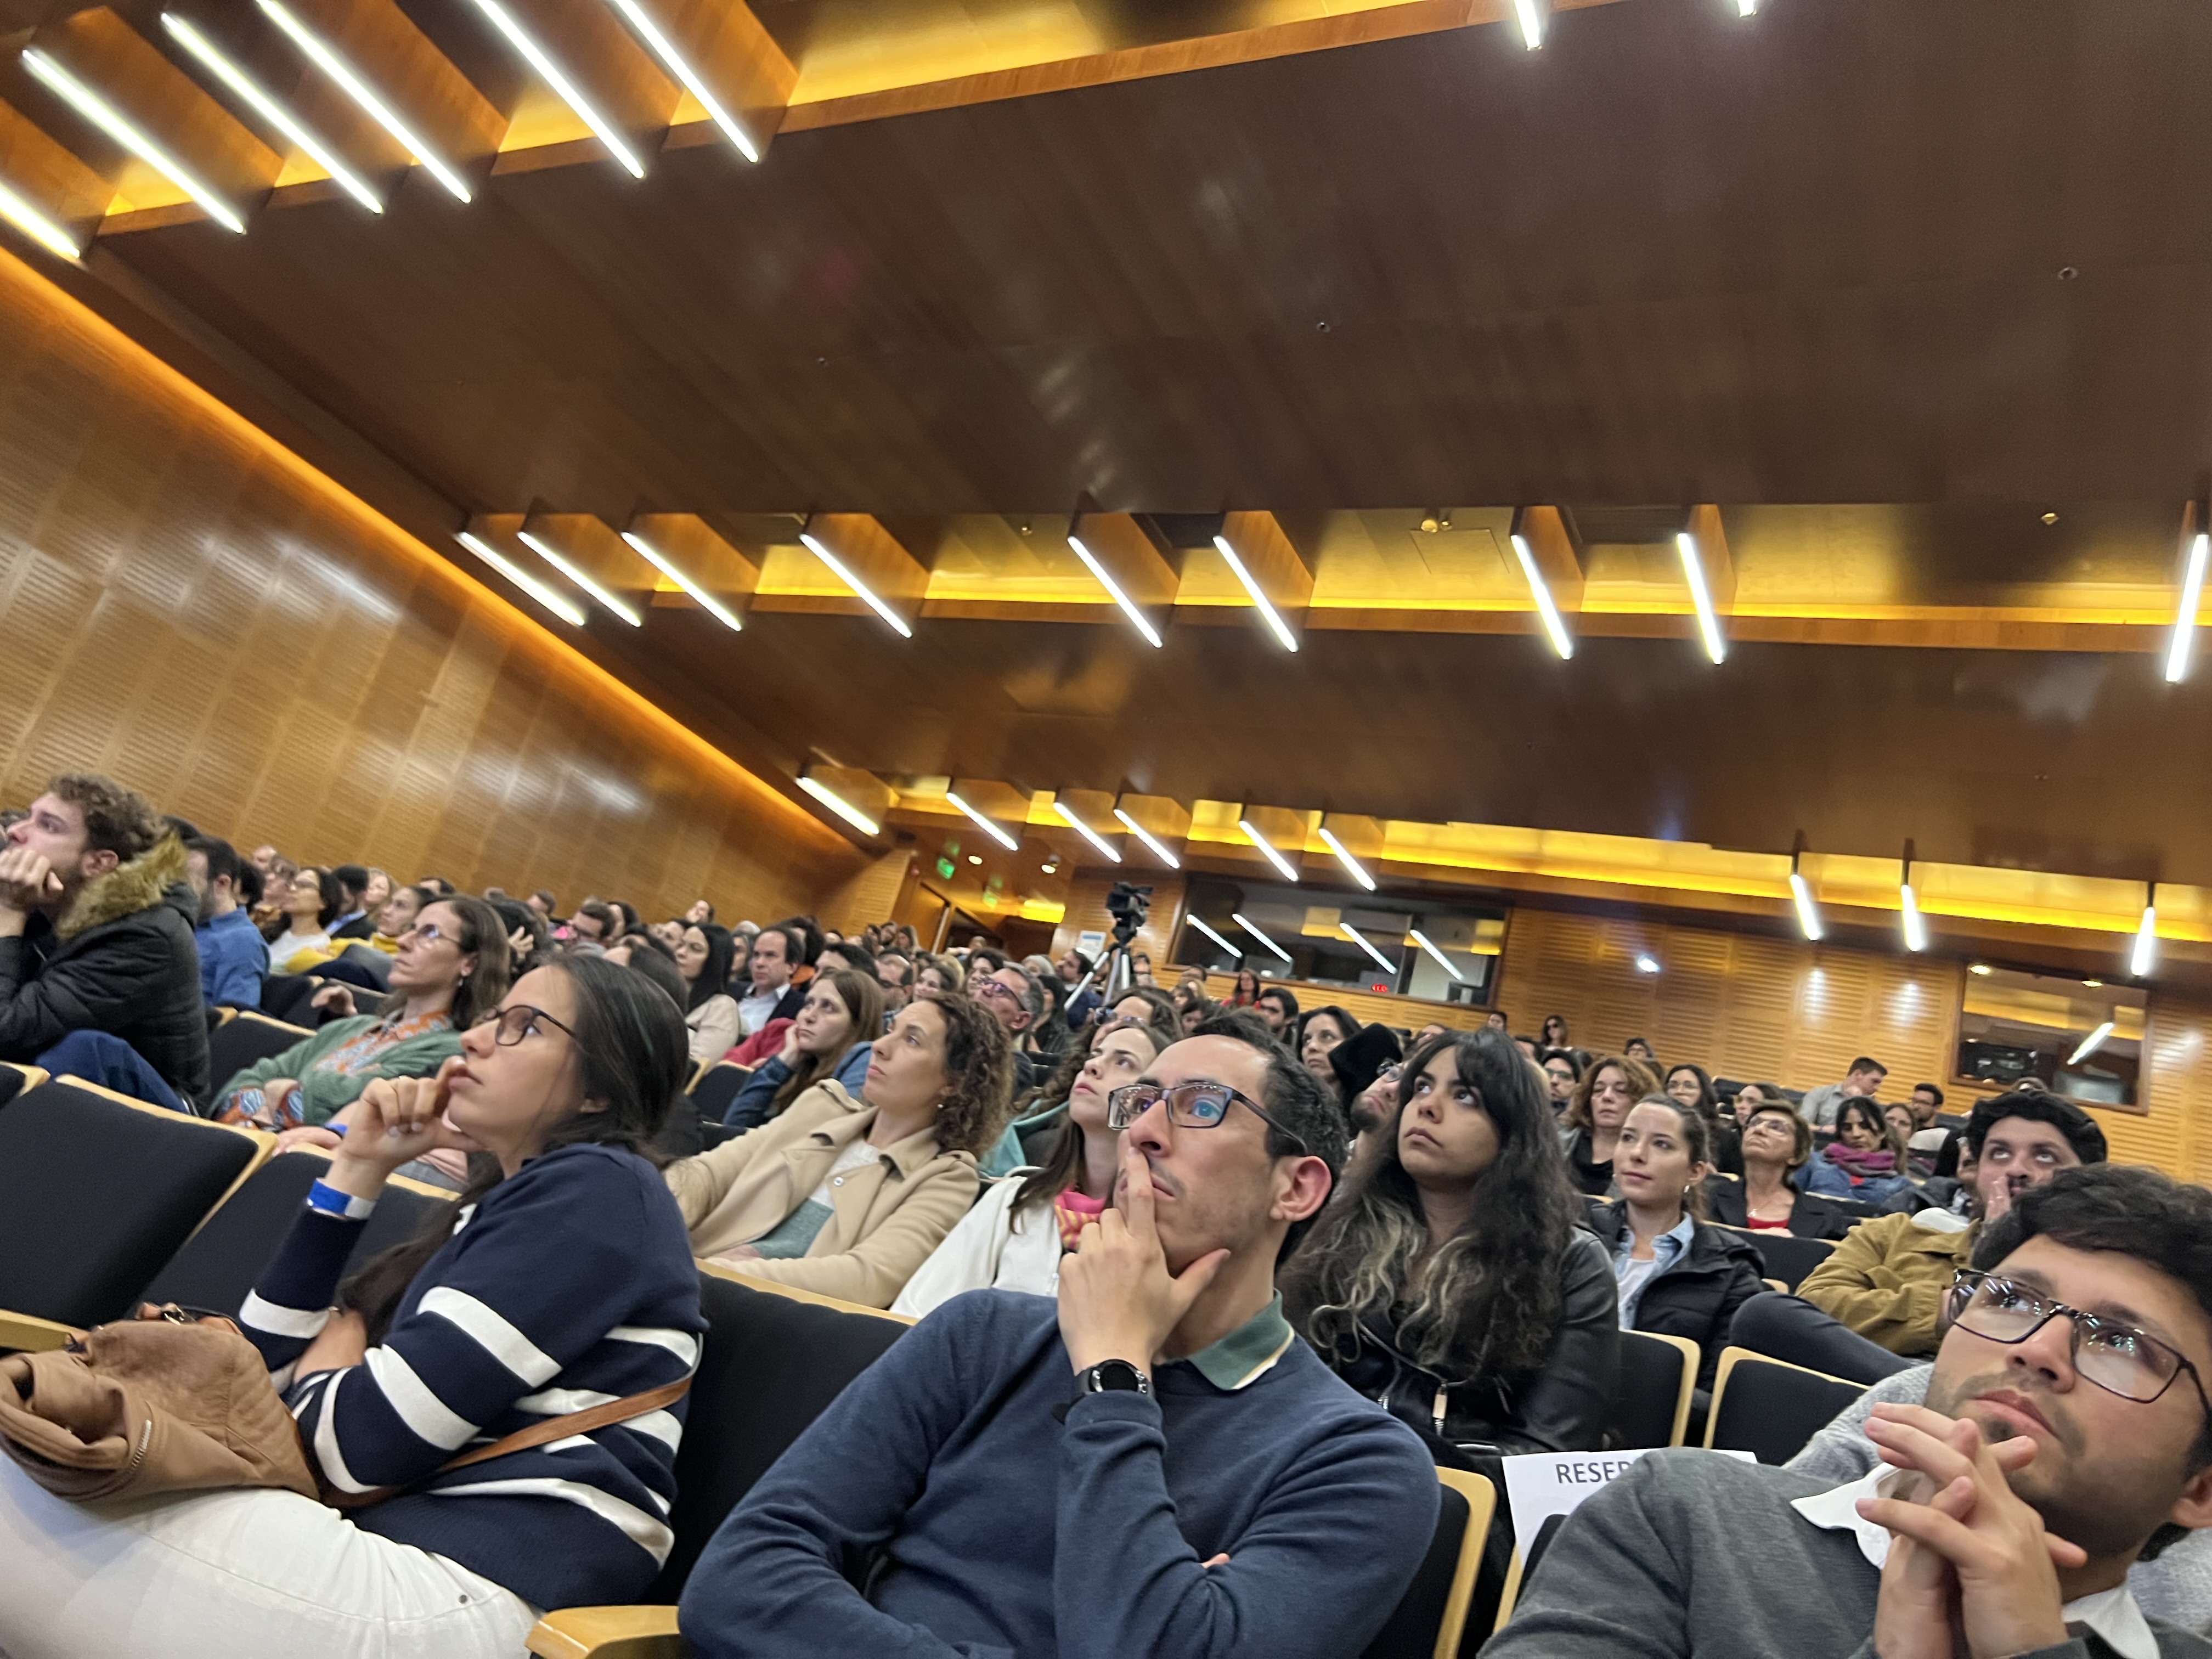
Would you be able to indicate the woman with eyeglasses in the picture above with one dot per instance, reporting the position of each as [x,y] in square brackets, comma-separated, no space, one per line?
[848,1194]
[563,1279]
[1776,1143]
[1456,1280]
[451,966]
[310,902]
[1014,1237]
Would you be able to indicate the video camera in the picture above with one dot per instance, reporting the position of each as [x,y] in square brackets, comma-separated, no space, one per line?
[1127,904]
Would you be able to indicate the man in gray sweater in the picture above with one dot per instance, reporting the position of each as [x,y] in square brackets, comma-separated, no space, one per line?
[2064,1437]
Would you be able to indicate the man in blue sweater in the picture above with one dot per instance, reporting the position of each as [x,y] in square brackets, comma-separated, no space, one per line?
[1154,1467]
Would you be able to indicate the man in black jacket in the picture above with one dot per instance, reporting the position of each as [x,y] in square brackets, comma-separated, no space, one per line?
[98,974]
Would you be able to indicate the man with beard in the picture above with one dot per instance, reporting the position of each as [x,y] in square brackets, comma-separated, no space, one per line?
[2064,1437]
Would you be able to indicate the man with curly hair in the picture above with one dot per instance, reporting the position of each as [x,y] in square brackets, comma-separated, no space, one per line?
[99,974]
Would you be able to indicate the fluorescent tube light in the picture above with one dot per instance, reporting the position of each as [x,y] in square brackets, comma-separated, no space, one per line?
[1646,963]
[2144,957]
[1252,589]
[1443,961]
[1145,835]
[843,808]
[1916,929]
[35,225]
[1282,864]
[1360,939]
[1234,951]
[1694,570]
[983,822]
[1238,917]
[319,53]
[1554,625]
[2091,1043]
[1808,913]
[1129,608]
[119,127]
[551,73]
[1086,832]
[2185,620]
[1346,859]
[1531,18]
[646,551]
[664,49]
[268,108]
[577,576]
[1746,7]
[558,602]
[837,570]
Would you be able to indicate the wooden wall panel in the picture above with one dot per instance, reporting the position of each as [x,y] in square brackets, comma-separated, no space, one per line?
[187,605]
[871,896]
[2179,1092]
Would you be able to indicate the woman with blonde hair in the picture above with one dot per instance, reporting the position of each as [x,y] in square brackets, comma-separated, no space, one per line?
[885,1173]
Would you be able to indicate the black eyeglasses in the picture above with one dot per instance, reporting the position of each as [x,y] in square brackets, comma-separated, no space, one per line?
[515,1023]
[1197,1104]
[2117,1359]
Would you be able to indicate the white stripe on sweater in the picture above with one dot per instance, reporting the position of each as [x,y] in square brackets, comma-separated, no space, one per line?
[427,1416]
[681,1344]
[268,1316]
[559,1402]
[326,1440]
[641,1529]
[492,1332]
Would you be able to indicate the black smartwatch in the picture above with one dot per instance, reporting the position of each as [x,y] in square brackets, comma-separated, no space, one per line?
[1116,1375]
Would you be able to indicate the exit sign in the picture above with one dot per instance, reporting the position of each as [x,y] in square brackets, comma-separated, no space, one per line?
[945,867]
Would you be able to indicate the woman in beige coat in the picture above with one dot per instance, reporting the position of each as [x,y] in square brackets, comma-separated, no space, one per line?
[847,1197]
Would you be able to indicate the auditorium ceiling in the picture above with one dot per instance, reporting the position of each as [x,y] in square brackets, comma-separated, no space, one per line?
[1881,331]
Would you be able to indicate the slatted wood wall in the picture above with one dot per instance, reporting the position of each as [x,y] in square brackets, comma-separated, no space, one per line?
[186,604]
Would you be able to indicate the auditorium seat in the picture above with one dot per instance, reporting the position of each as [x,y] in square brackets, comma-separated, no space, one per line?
[1788,1257]
[1771,1408]
[1431,1617]
[246,1041]
[717,1086]
[17,1079]
[98,1191]
[1524,1568]
[286,996]
[1651,1394]
[219,1263]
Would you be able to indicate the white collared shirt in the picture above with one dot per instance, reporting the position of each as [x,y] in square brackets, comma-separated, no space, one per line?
[2111,1613]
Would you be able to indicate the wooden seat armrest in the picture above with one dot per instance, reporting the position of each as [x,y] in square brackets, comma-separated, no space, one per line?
[627,1632]
[27,1333]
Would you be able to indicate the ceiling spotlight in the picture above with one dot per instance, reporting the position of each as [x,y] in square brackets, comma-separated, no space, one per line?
[268,108]
[559,603]
[1252,591]
[1345,858]
[2144,957]
[1144,836]
[975,858]
[569,569]
[984,825]
[1233,951]
[1282,864]
[1087,833]
[320,54]
[844,809]
[2093,984]
[1443,961]
[1050,869]
[837,570]
[1980,968]
[1238,917]
[119,127]
[1646,963]
[2051,518]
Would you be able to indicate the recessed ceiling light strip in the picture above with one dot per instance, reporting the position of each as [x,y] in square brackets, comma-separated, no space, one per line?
[119,127]
[1282,864]
[1360,939]
[843,808]
[664,49]
[556,77]
[326,59]
[558,603]
[1233,949]
[646,551]
[1238,917]
[569,569]
[1144,836]
[2185,618]
[1289,642]
[268,108]
[1350,863]
[837,569]
[1087,833]
[1443,961]
[1555,625]
[45,232]
[1693,572]
[1142,624]
[983,822]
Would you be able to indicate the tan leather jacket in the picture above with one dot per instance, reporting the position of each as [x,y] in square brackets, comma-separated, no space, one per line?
[887,1216]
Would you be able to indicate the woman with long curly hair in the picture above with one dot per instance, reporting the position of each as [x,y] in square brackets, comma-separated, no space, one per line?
[1456,1279]
[847,1195]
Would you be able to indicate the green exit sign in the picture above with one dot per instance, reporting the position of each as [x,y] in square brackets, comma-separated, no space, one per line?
[945,867]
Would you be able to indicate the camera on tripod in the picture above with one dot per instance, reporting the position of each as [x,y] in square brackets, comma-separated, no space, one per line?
[1127,904]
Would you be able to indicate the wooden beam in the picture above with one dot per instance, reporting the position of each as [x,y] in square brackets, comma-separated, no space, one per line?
[1119,543]
[610,68]
[1705,529]
[693,546]
[1554,549]
[592,545]
[739,63]
[872,553]
[51,179]
[1275,565]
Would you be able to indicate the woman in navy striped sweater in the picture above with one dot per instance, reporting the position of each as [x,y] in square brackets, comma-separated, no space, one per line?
[563,1282]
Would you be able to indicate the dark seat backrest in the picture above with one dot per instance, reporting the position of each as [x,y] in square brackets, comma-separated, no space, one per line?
[1411,1631]
[219,1263]
[97,1194]
[714,1090]
[12,1080]
[238,1043]
[1771,1410]
[1789,1258]
[772,1365]
[285,996]
[1644,1393]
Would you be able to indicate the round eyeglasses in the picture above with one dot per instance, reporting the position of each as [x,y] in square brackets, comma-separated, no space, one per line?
[2117,1359]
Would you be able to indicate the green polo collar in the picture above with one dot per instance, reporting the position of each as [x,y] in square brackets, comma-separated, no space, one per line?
[1246,1353]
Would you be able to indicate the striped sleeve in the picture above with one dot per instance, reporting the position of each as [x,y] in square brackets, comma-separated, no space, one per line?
[538,1278]
[291,1300]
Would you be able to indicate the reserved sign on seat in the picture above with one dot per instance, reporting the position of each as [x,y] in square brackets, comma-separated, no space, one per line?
[1539,1484]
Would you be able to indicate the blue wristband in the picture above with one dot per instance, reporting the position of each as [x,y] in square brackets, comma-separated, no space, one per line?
[326,1200]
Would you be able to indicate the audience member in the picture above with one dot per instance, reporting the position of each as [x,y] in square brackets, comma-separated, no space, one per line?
[1561,1073]
[1354,1065]
[1496,1019]
[544,903]
[564,1279]
[1866,1160]
[1777,1142]
[99,974]
[980,962]
[702,957]
[1141,968]
[1675,1276]
[1076,972]
[831,1037]
[378,893]
[1373,1115]
[1862,1080]
[2057,1450]
[1639,1049]
[847,1195]
[593,924]
[1014,1237]
[1553,1032]
[1041,1112]
[1753,1096]
[1245,989]
[234,960]
[1457,1281]
[529,941]
[265,859]
[895,972]
[311,904]
[936,976]
[450,969]
[1011,992]
[1210,1472]
[1193,1007]
[741,960]
[1590,1126]
[776,950]
[846,953]
[352,920]
[1321,1029]
[1692,1086]
[1147,1003]
[643,954]
[1278,1009]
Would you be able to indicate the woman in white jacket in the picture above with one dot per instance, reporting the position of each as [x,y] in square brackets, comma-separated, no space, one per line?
[1011,1240]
